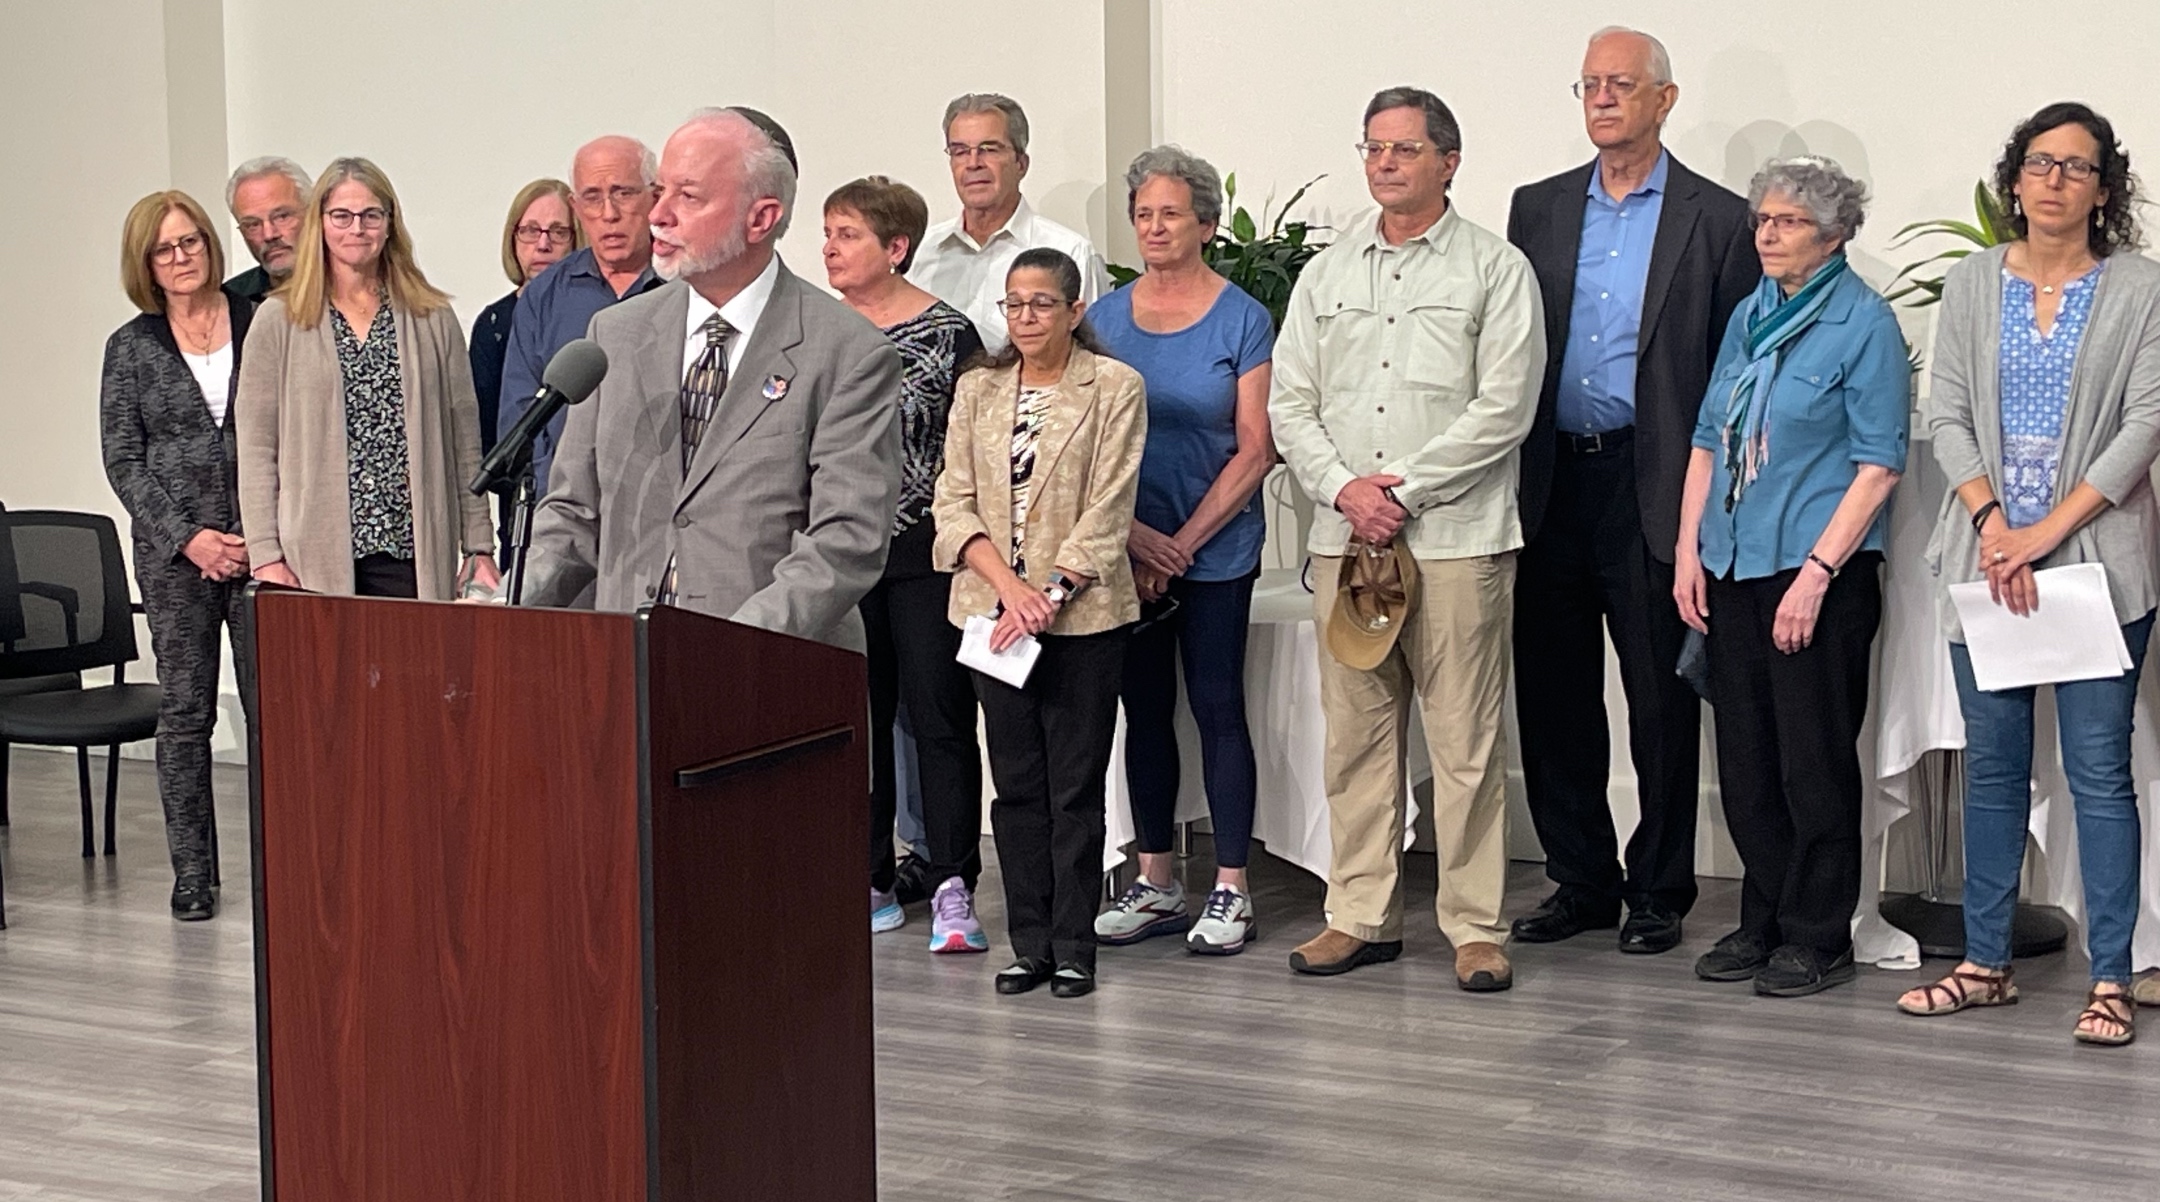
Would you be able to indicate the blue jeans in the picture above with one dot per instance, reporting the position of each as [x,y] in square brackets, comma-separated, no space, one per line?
[2094,718]
[1208,634]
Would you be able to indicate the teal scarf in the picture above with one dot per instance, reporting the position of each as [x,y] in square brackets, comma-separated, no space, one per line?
[1774,321]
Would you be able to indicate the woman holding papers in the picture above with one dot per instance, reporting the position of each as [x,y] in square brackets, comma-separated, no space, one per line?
[1800,439]
[1042,461]
[2045,412]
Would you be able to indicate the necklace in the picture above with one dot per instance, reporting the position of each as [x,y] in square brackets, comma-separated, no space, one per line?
[190,338]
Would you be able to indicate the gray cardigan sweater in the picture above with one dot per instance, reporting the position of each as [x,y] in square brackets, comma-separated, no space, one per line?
[2110,435]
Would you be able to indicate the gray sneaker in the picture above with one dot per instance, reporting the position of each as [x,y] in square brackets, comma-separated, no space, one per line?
[1226,923]
[1143,913]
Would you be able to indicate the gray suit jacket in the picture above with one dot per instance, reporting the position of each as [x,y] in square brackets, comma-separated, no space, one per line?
[784,517]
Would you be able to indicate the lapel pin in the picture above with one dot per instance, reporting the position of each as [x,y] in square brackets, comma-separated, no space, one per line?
[775,387]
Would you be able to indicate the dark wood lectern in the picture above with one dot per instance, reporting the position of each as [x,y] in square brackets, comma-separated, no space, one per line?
[554,905]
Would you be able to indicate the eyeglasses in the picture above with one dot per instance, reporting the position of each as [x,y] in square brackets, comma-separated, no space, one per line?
[279,219]
[369,218]
[2039,166]
[1406,151]
[186,246]
[622,196]
[1620,85]
[986,150]
[1041,306]
[1785,223]
[530,235]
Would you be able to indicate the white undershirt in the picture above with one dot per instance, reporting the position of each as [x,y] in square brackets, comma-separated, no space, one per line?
[214,372]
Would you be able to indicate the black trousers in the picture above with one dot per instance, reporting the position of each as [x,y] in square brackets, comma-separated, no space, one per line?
[1590,569]
[384,576]
[913,649]
[186,614]
[1049,750]
[1788,728]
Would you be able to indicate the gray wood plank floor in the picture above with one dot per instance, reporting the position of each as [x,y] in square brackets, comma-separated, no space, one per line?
[127,1061]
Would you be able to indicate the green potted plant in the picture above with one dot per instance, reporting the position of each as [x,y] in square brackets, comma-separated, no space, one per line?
[1267,265]
[1920,284]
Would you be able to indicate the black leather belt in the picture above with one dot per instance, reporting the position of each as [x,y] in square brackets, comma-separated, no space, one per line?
[1598,443]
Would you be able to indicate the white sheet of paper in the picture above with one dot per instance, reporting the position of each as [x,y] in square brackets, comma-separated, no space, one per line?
[2071,635]
[1011,665]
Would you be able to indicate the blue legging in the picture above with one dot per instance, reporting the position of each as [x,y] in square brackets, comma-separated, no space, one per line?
[1208,633]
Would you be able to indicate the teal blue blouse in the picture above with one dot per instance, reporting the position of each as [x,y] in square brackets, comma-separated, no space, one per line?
[1842,398]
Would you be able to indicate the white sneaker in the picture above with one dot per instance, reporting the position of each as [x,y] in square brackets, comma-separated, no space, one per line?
[1226,923]
[1144,912]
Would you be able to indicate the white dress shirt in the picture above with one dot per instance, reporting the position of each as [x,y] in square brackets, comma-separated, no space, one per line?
[970,276]
[742,311]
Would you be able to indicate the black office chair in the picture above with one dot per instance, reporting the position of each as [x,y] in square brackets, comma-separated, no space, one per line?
[65,609]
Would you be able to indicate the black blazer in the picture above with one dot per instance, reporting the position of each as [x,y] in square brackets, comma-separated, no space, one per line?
[174,468]
[487,346]
[1702,265]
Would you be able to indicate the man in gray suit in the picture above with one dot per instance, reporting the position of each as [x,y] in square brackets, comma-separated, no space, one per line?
[742,457]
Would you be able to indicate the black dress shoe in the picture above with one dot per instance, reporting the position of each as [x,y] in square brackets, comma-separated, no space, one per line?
[1071,980]
[1736,957]
[193,901]
[1650,928]
[1566,914]
[911,881]
[1024,975]
[1797,971]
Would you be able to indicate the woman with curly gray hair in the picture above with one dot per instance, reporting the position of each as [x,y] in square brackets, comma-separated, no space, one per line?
[2045,415]
[1801,437]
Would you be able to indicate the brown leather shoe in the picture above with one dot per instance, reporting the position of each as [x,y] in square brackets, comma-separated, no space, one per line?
[1483,968]
[1332,953]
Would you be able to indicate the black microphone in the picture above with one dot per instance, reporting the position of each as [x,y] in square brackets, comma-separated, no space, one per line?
[570,377]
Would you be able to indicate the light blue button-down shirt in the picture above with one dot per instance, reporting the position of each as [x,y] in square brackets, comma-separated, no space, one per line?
[1612,267]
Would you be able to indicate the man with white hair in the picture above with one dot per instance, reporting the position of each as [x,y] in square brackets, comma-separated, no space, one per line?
[963,261]
[612,180]
[1640,262]
[742,456]
[265,196]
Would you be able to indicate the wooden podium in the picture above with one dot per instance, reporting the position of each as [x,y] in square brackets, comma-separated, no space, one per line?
[556,905]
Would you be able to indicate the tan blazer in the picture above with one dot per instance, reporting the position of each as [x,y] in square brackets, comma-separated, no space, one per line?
[1087,471]
[295,503]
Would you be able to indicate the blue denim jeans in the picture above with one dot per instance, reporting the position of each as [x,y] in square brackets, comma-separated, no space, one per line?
[2094,718]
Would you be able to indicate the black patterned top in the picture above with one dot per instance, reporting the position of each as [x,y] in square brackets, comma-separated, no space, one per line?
[933,345]
[377,462]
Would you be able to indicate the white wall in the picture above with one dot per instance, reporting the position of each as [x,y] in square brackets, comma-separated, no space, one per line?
[463,116]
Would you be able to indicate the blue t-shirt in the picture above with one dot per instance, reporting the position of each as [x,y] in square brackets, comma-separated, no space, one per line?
[1191,379]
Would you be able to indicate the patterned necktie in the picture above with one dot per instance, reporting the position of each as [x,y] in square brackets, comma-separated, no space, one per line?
[701,389]
[702,386]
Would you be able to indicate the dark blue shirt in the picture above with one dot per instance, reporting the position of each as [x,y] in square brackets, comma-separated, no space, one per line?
[555,308]
[1612,268]
[1192,378]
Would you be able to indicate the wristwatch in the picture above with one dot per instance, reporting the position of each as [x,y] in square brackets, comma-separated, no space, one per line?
[1062,588]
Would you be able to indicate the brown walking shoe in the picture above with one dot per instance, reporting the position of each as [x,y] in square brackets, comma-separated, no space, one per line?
[1483,968]
[1332,953]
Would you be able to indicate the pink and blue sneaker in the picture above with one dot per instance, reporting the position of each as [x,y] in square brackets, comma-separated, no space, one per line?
[952,920]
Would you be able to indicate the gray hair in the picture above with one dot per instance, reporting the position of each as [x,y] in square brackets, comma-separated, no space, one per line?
[767,169]
[1016,125]
[1440,127]
[269,164]
[1836,201]
[1173,162]
[1660,62]
[648,162]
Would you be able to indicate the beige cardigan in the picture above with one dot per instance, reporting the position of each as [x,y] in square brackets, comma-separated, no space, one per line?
[289,414]
[1087,472]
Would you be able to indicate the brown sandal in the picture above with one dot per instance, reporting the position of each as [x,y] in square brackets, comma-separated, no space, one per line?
[2095,1007]
[1958,993]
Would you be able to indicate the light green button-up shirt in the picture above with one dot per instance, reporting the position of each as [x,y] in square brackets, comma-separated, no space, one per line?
[1423,361]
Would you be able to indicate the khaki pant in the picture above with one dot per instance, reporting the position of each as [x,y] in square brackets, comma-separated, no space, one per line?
[1453,658]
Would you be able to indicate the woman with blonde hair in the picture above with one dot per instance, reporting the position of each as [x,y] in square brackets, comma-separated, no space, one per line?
[358,424]
[165,423]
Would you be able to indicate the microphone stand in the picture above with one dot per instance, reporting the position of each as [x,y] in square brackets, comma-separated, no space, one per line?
[521,524]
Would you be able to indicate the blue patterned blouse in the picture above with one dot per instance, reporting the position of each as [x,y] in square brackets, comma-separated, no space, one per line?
[2035,378]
